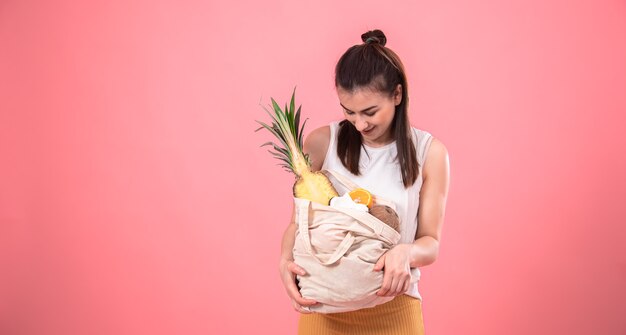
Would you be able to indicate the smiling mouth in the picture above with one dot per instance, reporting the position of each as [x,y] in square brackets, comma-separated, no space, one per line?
[368,130]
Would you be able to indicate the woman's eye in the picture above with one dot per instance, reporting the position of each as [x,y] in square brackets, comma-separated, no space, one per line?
[349,112]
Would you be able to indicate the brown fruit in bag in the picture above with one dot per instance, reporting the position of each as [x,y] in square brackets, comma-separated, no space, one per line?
[387,215]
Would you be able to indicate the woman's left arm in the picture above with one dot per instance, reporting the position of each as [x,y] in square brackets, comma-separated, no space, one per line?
[398,261]
[432,208]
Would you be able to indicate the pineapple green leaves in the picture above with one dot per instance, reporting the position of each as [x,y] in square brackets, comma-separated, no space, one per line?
[314,186]
[286,128]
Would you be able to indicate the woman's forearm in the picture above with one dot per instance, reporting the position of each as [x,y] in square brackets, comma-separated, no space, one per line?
[289,237]
[424,251]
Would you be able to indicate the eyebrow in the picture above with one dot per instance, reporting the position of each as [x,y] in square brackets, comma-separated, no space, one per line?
[363,111]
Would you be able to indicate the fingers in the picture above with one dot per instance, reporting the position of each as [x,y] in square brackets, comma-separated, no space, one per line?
[295,268]
[406,286]
[380,263]
[396,287]
[397,271]
[394,284]
[300,309]
[292,289]
[384,288]
[295,295]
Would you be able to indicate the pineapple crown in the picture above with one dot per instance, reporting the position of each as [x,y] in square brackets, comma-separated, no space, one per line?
[286,127]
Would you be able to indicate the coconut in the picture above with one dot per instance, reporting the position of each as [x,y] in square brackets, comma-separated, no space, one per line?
[387,215]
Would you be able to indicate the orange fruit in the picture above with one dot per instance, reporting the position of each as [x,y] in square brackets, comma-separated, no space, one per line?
[362,196]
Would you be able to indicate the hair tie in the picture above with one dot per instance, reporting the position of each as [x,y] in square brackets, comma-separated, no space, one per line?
[371,39]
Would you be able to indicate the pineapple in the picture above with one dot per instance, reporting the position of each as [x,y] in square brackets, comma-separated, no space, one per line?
[311,185]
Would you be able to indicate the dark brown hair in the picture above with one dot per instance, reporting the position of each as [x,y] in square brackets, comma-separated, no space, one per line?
[372,65]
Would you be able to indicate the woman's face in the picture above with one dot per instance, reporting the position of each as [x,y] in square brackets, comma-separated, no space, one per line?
[371,112]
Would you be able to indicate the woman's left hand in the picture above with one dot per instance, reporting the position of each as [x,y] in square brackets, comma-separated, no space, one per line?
[397,275]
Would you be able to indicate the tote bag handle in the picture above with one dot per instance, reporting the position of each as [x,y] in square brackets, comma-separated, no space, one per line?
[303,227]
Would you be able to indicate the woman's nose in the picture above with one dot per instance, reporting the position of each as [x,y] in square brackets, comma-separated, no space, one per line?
[360,124]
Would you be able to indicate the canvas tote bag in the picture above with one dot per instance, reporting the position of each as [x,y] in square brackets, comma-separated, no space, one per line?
[338,248]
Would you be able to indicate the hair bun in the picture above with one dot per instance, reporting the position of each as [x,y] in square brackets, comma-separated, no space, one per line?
[374,36]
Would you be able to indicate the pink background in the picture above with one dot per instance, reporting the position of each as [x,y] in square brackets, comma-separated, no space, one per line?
[134,197]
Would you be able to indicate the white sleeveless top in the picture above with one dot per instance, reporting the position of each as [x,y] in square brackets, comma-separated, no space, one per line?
[380,174]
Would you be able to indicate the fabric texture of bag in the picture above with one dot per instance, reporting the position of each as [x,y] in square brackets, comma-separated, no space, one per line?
[338,248]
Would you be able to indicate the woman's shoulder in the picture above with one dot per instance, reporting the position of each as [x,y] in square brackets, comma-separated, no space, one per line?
[317,136]
[437,160]
[316,145]
[421,132]
[437,148]
[425,135]
[429,145]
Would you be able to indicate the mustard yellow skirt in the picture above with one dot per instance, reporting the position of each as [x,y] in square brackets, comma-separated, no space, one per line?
[400,316]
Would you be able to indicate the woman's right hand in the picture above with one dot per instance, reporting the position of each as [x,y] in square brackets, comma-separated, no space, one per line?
[288,272]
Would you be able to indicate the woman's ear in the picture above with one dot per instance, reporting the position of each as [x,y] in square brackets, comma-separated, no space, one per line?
[397,94]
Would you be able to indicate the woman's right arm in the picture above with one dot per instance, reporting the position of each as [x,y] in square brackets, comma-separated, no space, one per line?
[315,145]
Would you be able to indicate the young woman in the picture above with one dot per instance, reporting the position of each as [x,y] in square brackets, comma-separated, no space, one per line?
[376,147]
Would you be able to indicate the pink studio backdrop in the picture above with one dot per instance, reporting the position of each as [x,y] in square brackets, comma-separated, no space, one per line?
[134,197]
